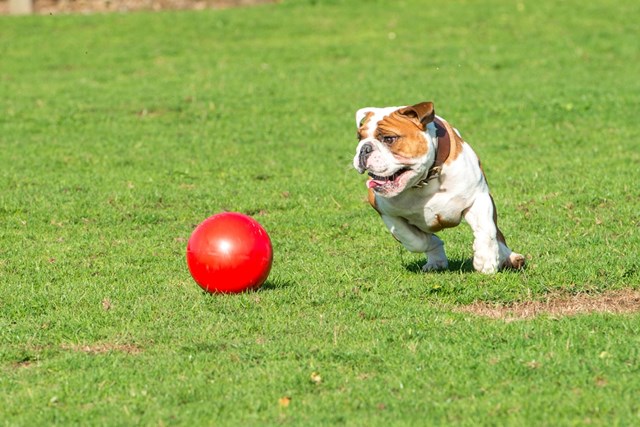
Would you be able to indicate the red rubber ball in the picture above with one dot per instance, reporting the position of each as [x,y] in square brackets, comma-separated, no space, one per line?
[229,253]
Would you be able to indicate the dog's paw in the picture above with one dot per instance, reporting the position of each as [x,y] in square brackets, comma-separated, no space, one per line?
[435,265]
[515,261]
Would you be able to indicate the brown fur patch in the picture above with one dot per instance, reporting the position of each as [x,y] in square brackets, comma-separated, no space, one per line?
[559,305]
[371,197]
[423,112]
[441,223]
[411,143]
[363,126]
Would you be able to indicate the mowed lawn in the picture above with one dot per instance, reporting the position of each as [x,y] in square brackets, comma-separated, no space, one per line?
[119,133]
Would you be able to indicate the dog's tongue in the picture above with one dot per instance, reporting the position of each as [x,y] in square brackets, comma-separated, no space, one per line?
[373,183]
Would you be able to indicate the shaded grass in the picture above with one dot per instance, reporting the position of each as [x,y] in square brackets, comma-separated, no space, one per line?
[121,132]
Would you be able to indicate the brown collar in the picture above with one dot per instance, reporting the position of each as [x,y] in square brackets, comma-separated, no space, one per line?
[442,151]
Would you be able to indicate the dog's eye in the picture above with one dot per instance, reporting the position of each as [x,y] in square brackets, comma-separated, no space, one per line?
[389,139]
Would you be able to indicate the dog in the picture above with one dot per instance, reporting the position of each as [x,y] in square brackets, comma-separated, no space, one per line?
[423,177]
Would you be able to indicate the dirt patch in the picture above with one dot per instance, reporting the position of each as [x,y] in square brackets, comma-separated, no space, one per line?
[23,364]
[617,302]
[46,7]
[103,348]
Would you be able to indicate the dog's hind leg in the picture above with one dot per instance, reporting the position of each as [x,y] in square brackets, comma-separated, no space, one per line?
[490,250]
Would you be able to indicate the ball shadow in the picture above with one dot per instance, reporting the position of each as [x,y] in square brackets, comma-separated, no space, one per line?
[274,284]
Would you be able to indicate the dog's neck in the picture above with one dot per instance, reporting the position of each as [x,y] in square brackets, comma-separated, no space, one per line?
[443,148]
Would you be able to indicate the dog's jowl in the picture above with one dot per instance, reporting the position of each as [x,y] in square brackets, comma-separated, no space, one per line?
[424,177]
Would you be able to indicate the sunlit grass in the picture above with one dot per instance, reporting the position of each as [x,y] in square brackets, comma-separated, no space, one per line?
[119,133]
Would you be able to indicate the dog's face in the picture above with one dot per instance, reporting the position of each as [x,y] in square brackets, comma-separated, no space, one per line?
[394,146]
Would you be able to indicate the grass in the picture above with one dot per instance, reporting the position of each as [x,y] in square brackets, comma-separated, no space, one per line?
[119,133]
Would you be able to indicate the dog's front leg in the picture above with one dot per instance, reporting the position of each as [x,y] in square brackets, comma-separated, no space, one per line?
[415,240]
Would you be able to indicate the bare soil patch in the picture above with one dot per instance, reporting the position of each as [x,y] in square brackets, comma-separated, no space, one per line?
[22,364]
[53,7]
[104,348]
[616,302]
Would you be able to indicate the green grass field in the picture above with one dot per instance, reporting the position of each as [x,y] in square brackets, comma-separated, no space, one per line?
[119,133]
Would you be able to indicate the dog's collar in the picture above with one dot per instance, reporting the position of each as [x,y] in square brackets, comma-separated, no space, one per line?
[442,152]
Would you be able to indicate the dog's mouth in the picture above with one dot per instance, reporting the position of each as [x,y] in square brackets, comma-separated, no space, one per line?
[377,181]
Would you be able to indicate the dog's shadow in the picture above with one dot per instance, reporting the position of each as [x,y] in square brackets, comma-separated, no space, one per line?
[460,265]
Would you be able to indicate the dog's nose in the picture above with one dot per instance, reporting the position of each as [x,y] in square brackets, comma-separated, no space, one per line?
[365,152]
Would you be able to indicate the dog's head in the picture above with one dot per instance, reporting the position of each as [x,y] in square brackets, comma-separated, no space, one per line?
[395,147]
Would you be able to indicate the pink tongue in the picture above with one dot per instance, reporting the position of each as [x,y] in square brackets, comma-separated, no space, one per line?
[372,184]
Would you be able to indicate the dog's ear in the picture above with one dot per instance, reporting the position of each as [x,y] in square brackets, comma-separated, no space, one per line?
[361,114]
[423,112]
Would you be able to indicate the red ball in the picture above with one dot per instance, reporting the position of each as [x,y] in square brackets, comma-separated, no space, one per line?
[229,252]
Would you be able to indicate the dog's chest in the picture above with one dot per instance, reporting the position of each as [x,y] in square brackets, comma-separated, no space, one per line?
[426,210]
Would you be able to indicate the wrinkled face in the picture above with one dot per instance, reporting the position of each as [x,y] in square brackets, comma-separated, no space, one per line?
[394,147]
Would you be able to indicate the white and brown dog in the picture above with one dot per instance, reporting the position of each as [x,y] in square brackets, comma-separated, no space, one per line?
[423,178]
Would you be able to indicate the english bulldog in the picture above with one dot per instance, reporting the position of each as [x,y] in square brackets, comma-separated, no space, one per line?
[423,177]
